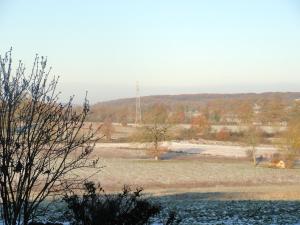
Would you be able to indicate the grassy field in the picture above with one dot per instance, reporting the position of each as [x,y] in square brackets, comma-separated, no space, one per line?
[235,178]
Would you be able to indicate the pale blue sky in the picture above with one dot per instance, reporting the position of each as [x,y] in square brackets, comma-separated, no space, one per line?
[170,46]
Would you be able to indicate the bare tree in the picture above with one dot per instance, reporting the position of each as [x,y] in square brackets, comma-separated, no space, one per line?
[253,139]
[41,147]
[155,133]
[155,130]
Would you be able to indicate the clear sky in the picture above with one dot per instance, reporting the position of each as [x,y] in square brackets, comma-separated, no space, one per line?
[169,46]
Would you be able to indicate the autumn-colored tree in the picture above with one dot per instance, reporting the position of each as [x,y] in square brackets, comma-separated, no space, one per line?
[107,128]
[205,111]
[122,113]
[157,113]
[223,134]
[272,110]
[290,142]
[294,111]
[292,136]
[244,111]
[178,116]
[201,124]
[216,109]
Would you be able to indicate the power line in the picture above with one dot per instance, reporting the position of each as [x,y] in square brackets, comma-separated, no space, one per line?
[138,110]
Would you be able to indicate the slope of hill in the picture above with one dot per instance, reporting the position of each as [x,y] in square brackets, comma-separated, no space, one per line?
[199,99]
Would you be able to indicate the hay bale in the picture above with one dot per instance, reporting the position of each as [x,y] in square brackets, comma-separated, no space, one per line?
[281,165]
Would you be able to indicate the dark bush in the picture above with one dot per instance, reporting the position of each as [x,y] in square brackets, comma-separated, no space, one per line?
[97,208]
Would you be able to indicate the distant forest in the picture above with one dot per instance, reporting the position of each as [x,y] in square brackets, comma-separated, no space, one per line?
[270,106]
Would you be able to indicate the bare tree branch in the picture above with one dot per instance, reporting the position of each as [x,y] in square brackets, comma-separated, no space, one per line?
[42,146]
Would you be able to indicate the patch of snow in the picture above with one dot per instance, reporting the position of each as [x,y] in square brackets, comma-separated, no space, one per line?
[195,148]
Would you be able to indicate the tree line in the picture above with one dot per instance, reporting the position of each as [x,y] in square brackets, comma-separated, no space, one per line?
[268,110]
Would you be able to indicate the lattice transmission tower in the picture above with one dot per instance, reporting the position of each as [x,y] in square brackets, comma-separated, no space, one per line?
[138,110]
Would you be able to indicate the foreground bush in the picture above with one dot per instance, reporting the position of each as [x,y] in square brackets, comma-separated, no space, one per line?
[127,208]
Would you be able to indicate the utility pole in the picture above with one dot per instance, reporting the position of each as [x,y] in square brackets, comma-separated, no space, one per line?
[138,111]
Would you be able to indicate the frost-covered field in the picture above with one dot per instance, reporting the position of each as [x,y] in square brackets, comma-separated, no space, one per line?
[195,148]
[235,212]
[195,211]
[174,174]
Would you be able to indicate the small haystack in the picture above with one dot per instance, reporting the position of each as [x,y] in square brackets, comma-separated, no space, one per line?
[279,165]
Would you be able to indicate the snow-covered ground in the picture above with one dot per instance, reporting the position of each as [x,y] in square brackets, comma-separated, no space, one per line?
[195,148]
[216,150]
[194,211]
